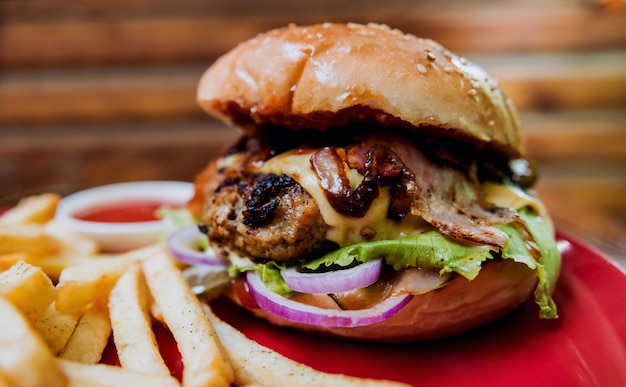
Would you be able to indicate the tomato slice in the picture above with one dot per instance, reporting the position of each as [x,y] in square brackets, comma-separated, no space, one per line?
[240,288]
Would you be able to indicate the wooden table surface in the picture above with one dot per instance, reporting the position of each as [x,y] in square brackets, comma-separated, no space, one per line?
[104,92]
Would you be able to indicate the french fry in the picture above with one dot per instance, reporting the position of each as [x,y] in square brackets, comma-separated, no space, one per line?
[259,365]
[129,305]
[204,362]
[28,288]
[70,242]
[98,295]
[82,285]
[53,265]
[8,260]
[102,375]
[56,327]
[23,238]
[37,209]
[25,360]
[4,380]
[89,338]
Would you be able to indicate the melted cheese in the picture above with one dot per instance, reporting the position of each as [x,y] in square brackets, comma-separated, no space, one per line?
[343,229]
[346,230]
[509,196]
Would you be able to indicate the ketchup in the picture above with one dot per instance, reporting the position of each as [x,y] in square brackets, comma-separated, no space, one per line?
[122,212]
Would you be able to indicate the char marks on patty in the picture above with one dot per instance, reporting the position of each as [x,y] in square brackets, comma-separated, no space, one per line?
[265,216]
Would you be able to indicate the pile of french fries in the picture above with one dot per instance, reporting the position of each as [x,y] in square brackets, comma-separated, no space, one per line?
[61,302]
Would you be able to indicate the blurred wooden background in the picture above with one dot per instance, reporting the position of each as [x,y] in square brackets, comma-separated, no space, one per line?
[94,92]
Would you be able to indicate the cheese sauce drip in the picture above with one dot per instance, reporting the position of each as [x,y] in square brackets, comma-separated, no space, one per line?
[375,224]
[344,230]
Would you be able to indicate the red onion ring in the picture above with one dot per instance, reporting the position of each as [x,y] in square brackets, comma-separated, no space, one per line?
[312,315]
[334,281]
[181,242]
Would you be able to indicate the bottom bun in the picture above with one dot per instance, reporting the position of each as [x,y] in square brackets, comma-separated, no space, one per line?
[460,305]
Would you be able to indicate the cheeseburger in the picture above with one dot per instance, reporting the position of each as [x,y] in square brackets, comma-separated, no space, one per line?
[379,190]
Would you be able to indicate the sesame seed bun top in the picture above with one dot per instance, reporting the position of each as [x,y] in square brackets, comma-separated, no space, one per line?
[330,75]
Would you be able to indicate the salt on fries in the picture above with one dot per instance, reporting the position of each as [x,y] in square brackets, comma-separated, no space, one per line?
[89,338]
[129,307]
[56,327]
[256,364]
[61,301]
[183,314]
[28,288]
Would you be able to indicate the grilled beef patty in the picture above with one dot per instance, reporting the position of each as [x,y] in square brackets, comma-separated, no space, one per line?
[265,216]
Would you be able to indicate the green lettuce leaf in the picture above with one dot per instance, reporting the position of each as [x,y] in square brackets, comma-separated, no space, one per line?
[549,265]
[177,218]
[429,250]
[270,275]
[432,250]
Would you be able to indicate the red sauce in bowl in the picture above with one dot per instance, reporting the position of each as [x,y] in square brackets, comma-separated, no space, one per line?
[123,212]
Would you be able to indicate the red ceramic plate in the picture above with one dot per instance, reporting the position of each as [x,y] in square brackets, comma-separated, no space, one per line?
[586,346]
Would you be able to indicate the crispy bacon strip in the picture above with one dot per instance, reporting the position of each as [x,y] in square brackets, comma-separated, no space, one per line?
[446,198]
[449,200]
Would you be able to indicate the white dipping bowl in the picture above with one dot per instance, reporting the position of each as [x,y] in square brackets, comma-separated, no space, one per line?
[123,236]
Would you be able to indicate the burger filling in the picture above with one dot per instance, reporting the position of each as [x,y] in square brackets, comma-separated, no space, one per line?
[265,216]
[331,201]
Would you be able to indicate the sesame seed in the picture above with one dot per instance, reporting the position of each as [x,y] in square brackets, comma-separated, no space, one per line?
[421,68]
[448,69]
[491,123]
[431,56]
[471,92]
